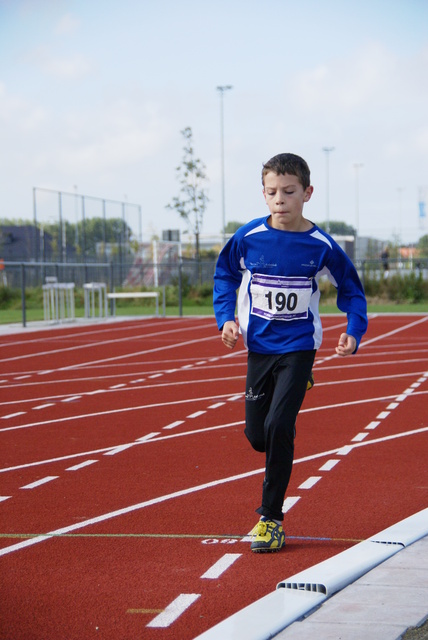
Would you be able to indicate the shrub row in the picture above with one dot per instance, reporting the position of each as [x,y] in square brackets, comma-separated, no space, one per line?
[395,288]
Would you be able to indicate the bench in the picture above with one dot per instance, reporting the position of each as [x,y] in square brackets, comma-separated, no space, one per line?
[136,294]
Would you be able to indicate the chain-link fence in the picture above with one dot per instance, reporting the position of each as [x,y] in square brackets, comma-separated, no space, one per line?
[60,283]
[63,282]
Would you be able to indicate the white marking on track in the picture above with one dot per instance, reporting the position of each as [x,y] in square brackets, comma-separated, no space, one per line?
[310,482]
[14,415]
[344,450]
[383,415]
[44,406]
[359,437]
[196,414]
[174,424]
[81,465]
[393,405]
[289,503]
[3,498]
[174,610]
[38,483]
[148,436]
[221,566]
[328,466]
[373,424]
[119,449]
[215,483]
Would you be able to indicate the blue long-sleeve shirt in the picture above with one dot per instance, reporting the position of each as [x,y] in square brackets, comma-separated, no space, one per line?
[277,274]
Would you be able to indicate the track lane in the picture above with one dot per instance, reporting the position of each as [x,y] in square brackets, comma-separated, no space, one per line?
[165,567]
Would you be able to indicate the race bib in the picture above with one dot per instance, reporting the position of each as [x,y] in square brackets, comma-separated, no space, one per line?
[280,297]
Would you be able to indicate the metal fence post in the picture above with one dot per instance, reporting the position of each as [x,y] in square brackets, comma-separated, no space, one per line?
[180,289]
[24,314]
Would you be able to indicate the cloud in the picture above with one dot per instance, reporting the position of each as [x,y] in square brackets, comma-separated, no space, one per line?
[74,66]
[122,135]
[66,25]
[346,85]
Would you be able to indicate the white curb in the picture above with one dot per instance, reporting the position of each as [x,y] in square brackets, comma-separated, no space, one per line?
[298,595]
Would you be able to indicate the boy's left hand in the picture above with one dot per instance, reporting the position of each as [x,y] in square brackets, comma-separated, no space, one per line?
[347,345]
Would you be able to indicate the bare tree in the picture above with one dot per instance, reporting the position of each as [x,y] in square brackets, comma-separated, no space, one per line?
[192,201]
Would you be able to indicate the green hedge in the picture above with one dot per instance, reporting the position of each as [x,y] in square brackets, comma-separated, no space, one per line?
[411,288]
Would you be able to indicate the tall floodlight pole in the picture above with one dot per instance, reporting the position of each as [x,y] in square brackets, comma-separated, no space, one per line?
[327,151]
[221,90]
[357,167]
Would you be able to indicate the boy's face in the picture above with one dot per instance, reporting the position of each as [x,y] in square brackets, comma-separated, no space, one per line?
[285,198]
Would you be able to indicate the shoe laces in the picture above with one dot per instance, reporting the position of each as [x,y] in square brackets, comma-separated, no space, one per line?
[260,528]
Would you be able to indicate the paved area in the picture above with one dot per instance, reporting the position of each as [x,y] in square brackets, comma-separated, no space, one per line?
[385,604]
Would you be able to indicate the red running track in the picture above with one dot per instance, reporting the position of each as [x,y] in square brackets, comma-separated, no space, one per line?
[128,488]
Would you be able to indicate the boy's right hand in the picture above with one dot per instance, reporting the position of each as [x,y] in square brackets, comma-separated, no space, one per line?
[229,334]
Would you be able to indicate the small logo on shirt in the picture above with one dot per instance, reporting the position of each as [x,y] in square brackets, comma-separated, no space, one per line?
[251,397]
[262,263]
[311,264]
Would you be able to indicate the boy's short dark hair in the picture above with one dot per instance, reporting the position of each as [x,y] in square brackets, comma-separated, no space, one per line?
[288,163]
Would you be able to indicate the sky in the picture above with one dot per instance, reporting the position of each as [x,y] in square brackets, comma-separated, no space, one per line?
[94,96]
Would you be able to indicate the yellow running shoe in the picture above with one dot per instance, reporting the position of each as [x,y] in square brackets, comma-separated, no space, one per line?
[311,382]
[269,536]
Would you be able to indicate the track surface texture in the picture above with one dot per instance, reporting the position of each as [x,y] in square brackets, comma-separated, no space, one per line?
[128,489]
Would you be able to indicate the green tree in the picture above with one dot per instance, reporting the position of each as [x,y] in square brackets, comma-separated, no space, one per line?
[233,226]
[423,246]
[338,228]
[192,201]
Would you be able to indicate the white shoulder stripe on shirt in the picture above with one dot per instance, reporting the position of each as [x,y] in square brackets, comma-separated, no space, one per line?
[319,236]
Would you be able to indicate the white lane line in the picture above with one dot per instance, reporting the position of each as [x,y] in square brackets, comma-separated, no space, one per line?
[22,377]
[81,465]
[221,566]
[44,406]
[233,398]
[289,502]
[310,482]
[383,415]
[359,437]
[393,405]
[174,610]
[38,483]
[174,424]
[118,386]
[14,415]
[186,401]
[344,450]
[178,494]
[155,375]
[148,436]
[196,414]
[328,466]
[373,425]
[216,405]
[119,449]
[3,498]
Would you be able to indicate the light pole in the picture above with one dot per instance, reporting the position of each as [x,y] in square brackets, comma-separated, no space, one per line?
[327,151]
[357,167]
[221,90]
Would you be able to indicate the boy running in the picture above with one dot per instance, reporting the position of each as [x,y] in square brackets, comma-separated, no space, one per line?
[276,262]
